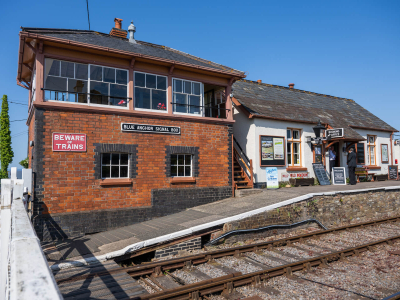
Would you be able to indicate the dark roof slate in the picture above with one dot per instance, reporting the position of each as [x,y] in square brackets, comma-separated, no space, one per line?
[280,102]
[106,40]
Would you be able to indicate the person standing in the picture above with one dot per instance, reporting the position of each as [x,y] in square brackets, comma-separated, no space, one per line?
[352,164]
[332,159]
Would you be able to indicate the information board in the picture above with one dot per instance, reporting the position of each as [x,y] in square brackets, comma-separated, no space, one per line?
[320,173]
[272,151]
[339,176]
[272,178]
[393,172]
[150,128]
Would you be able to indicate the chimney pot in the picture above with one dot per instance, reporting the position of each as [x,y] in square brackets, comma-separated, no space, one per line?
[118,23]
[132,30]
[291,85]
[259,81]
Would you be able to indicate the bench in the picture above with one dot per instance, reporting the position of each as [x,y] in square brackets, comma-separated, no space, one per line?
[363,172]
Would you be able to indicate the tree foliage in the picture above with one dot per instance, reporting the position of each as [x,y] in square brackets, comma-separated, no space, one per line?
[6,153]
[24,163]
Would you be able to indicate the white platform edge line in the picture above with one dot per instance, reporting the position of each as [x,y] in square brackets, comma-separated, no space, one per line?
[181,233]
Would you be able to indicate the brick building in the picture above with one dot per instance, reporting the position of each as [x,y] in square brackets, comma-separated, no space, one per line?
[121,131]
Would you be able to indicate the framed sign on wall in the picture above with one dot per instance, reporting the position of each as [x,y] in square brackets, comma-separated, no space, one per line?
[272,151]
[384,153]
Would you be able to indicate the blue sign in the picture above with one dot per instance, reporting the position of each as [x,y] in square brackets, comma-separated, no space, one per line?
[272,178]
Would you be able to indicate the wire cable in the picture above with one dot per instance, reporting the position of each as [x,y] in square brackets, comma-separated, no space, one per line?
[87,6]
[17,120]
[17,103]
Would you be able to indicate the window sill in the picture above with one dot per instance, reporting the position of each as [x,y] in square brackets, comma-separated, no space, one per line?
[182,180]
[372,167]
[117,181]
[291,169]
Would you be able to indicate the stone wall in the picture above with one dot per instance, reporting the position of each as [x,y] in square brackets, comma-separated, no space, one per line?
[194,244]
[332,211]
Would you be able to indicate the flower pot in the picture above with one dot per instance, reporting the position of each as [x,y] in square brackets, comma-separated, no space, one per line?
[301,181]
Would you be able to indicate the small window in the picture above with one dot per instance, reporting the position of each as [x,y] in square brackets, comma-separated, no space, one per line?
[187,97]
[150,91]
[114,165]
[181,165]
[293,147]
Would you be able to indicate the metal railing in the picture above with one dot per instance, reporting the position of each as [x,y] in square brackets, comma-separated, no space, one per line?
[25,273]
[245,163]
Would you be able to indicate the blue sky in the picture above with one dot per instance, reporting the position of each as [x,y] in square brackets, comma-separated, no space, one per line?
[341,48]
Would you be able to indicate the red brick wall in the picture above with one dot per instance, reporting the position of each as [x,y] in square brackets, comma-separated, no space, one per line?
[31,137]
[69,181]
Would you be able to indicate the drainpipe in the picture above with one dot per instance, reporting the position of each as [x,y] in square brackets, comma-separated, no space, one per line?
[391,148]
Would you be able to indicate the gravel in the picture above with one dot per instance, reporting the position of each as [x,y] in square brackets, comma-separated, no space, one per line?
[279,255]
[210,270]
[263,259]
[237,264]
[186,277]
[143,283]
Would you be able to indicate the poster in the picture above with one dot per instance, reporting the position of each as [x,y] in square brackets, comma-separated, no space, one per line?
[278,149]
[385,154]
[272,178]
[267,150]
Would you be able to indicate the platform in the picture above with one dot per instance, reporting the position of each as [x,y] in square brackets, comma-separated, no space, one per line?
[105,244]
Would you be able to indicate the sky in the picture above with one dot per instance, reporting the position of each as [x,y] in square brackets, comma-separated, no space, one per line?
[346,48]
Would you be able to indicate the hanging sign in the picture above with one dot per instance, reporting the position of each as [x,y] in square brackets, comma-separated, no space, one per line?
[393,172]
[321,175]
[334,133]
[75,142]
[150,128]
[339,176]
[272,178]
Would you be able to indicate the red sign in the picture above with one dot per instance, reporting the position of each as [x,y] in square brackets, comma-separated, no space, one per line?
[69,142]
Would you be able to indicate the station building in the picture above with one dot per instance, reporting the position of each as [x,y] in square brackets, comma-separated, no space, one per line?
[274,125]
[121,131]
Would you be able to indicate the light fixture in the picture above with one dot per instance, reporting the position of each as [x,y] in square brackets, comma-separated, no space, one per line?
[318,129]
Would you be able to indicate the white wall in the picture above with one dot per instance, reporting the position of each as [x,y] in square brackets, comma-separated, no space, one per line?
[243,131]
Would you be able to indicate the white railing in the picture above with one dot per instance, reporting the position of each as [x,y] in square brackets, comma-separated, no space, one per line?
[25,273]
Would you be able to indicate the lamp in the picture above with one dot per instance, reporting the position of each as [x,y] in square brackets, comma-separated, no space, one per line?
[318,129]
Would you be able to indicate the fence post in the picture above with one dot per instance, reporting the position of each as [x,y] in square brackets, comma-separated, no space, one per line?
[6,196]
[14,173]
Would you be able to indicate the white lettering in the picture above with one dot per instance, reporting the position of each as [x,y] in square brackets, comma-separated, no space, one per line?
[80,147]
[58,146]
[63,146]
[67,137]
[74,146]
[56,137]
[61,137]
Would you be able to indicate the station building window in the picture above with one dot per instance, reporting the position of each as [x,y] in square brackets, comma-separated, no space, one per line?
[293,147]
[188,97]
[371,150]
[181,165]
[150,91]
[114,165]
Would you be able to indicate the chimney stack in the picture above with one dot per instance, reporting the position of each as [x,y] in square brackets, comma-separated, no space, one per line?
[291,85]
[259,81]
[117,31]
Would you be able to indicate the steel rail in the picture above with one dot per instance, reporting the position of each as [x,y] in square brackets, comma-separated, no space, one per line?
[160,266]
[192,291]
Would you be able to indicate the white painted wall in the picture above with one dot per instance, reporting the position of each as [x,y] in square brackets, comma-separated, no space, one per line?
[244,132]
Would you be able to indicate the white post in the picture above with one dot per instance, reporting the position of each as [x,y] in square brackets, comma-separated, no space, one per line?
[14,173]
[6,196]
[27,177]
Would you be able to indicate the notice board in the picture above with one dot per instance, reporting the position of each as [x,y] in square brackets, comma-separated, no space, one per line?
[320,173]
[339,176]
[272,151]
[393,172]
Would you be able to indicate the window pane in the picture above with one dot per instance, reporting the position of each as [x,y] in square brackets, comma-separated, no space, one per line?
[56,83]
[114,171]
[109,75]
[181,159]
[289,158]
[150,81]
[159,100]
[196,88]
[174,170]
[194,100]
[181,171]
[188,87]
[106,159]
[289,134]
[360,153]
[96,73]
[81,71]
[178,86]
[296,148]
[77,86]
[142,98]
[371,139]
[180,99]
[67,69]
[52,67]
[99,88]
[123,171]
[372,155]
[289,148]
[120,95]
[122,77]
[296,159]
[188,159]
[124,159]
[105,171]
[115,159]
[296,134]
[140,79]
[174,160]
[161,83]
[187,171]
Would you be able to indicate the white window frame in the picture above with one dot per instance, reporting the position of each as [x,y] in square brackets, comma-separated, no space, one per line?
[291,140]
[184,165]
[88,83]
[373,146]
[110,165]
[166,91]
[201,114]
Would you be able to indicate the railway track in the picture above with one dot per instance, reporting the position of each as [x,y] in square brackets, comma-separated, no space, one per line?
[235,272]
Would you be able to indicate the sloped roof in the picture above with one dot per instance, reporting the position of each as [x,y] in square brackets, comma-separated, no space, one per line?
[279,102]
[105,40]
